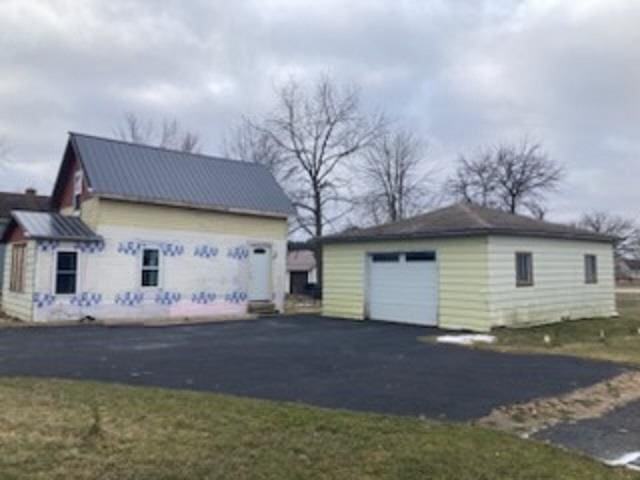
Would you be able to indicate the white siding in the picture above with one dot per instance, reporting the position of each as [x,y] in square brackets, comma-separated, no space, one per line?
[106,276]
[14,304]
[559,291]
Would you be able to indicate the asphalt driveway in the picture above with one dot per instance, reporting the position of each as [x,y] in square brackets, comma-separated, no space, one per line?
[367,366]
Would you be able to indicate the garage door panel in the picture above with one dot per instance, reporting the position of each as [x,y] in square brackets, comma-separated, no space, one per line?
[403,291]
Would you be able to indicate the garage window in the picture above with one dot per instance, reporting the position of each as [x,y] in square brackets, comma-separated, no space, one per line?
[385,257]
[590,269]
[420,256]
[524,269]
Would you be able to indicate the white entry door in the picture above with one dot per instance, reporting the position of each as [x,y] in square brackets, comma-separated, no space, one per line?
[403,287]
[260,273]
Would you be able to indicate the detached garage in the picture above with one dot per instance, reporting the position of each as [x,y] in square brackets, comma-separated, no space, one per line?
[470,268]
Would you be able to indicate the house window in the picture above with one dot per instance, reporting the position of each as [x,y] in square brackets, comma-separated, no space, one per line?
[16,281]
[524,269]
[66,273]
[77,189]
[590,269]
[150,267]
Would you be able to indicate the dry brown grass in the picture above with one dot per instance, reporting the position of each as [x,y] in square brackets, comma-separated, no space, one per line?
[590,402]
[612,339]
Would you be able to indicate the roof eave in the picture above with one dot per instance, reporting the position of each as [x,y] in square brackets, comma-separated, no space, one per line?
[194,206]
[465,233]
[66,239]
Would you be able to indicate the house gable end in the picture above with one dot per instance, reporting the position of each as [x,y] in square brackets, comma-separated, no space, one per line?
[62,196]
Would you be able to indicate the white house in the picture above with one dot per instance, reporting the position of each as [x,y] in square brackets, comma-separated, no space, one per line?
[143,232]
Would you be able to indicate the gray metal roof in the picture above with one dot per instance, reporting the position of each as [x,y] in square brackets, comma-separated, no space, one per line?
[464,219]
[53,226]
[143,173]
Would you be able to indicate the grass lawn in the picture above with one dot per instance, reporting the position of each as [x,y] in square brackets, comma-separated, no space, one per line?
[615,339]
[54,429]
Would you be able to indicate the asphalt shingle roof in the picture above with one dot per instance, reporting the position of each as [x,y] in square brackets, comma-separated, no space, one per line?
[21,201]
[53,226]
[464,219]
[300,261]
[144,173]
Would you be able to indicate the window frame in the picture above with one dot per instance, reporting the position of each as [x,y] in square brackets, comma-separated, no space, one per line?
[17,272]
[590,277]
[529,282]
[385,257]
[78,179]
[420,256]
[150,268]
[75,272]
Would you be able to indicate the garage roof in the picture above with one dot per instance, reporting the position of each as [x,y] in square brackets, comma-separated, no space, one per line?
[463,219]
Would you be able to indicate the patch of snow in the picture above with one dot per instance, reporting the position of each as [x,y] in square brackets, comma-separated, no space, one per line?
[466,339]
[625,460]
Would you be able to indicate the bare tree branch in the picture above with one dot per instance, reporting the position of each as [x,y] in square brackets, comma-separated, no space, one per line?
[624,230]
[396,182]
[511,177]
[310,135]
[4,151]
[168,134]
[310,139]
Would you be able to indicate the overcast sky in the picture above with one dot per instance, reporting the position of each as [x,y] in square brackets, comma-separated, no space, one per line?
[462,73]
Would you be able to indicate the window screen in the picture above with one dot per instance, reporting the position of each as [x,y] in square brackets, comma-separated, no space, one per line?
[524,269]
[590,269]
[77,189]
[150,267]
[66,273]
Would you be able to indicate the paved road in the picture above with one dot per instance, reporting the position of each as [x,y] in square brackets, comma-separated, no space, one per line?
[608,438]
[365,366]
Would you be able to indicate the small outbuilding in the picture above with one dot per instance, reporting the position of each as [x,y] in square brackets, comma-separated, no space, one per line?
[469,268]
[301,272]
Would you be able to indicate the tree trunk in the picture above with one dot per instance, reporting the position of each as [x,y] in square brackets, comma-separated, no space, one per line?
[317,251]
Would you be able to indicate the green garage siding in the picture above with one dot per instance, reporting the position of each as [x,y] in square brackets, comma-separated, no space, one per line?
[559,291]
[462,264]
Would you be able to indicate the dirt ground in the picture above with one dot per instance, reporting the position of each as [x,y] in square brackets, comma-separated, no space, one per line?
[585,403]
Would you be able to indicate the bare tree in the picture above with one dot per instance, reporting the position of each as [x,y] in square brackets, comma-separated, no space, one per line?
[475,179]
[315,132]
[252,145]
[511,177]
[393,171]
[311,139]
[167,133]
[4,152]
[625,232]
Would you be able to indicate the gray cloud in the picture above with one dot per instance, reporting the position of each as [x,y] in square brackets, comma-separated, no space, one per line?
[463,73]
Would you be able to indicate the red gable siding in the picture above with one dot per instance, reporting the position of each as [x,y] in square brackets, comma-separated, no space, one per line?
[15,234]
[70,166]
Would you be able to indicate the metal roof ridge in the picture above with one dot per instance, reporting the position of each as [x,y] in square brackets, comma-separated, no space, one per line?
[165,149]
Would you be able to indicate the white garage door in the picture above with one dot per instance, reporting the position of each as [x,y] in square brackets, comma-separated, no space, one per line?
[403,287]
